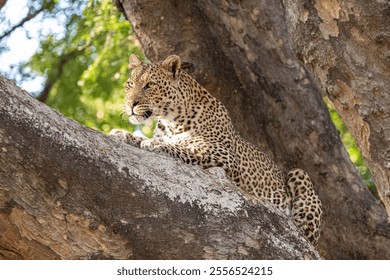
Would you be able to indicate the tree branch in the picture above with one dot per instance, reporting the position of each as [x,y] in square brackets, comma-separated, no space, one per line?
[99,198]
[30,16]
[55,73]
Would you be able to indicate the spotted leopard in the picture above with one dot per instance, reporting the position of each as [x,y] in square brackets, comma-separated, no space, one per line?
[195,127]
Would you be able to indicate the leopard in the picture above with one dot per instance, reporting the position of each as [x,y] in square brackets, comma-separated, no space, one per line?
[195,127]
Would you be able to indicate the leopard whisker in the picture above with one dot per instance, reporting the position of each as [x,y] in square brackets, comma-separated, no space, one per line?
[121,117]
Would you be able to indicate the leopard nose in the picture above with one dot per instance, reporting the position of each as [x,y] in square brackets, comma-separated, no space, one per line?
[135,103]
[128,110]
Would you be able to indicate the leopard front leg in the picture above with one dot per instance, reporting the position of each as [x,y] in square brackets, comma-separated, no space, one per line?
[126,137]
[176,151]
[201,154]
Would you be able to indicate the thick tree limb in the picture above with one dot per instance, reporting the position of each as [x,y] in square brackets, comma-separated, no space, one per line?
[69,192]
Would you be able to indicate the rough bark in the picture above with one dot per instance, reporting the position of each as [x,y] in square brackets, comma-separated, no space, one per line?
[240,51]
[69,192]
[346,45]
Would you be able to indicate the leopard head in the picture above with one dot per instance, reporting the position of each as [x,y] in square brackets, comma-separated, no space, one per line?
[152,89]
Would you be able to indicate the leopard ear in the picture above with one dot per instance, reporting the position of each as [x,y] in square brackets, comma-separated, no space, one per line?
[134,61]
[172,63]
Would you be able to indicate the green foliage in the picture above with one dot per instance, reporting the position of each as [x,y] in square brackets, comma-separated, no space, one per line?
[88,66]
[352,149]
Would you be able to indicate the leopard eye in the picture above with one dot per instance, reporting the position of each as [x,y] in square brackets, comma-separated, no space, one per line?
[130,84]
[148,85]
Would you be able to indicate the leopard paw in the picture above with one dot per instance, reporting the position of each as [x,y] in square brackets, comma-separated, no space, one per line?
[149,145]
[125,136]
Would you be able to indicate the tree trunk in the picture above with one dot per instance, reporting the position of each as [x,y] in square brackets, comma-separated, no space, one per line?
[240,51]
[346,45]
[69,192]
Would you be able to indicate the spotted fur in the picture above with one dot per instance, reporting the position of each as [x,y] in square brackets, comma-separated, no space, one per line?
[195,127]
